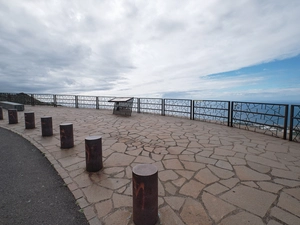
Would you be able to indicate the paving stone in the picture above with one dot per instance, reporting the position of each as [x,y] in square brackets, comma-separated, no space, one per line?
[284,216]
[295,192]
[270,187]
[276,148]
[289,203]
[285,174]
[245,173]
[186,174]
[205,160]
[167,175]
[285,182]
[221,173]
[205,176]
[71,160]
[194,166]
[170,188]
[172,164]
[230,182]
[273,222]
[189,157]
[179,182]
[121,201]
[193,213]
[120,217]
[118,159]
[175,150]
[216,207]
[175,202]
[216,189]
[258,167]
[114,183]
[192,188]
[250,199]
[242,218]
[236,161]
[95,193]
[119,147]
[169,217]
[250,184]
[143,160]
[264,161]
[224,152]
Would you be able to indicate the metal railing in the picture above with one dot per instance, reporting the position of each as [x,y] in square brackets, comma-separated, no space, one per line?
[267,118]
[260,117]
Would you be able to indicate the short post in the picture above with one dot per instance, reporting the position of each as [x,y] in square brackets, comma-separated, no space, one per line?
[29,120]
[46,123]
[12,116]
[145,194]
[1,113]
[93,153]
[66,135]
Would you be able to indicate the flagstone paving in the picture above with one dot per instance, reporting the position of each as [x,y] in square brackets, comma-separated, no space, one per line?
[208,173]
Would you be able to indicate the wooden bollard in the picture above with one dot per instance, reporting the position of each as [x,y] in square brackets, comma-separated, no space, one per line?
[145,194]
[1,113]
[46,123]
[12,116]
[66,135]
[29,120]
[93,153]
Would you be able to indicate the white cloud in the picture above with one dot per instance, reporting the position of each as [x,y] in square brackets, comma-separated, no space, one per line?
[141,48]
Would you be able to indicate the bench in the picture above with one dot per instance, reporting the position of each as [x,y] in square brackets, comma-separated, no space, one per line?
[12,105]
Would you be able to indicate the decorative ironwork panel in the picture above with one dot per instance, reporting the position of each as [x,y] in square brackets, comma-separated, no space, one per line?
[65,100]
[212,111]
[87,102]
[295,123]
[103,102]
[266,118]
[43,99]
[178,107]
[151,105]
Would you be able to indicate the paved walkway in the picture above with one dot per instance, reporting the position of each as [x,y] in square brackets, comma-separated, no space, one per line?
[208,173]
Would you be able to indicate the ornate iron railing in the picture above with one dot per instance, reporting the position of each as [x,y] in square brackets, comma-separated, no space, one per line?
[149,105]
[271,119]
[178,107]
[260,117]
[212,111]
[294,134]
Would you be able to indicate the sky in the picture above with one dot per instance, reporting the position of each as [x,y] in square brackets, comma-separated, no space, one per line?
[238,50]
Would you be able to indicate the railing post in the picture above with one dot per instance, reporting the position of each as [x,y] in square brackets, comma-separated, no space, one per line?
[138,105]
[76,101]
[291,122]
[231,114]
[97,102]
[54,101]
[162,107]
[191,110]
[228,116]
[286,114]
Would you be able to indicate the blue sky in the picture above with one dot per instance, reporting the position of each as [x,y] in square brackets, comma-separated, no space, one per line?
[223,50]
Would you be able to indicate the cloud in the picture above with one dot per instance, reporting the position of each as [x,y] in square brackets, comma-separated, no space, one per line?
[142,48]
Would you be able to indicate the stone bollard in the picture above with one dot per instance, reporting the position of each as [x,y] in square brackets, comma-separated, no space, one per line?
[12,116]
[66,135]
[1,113]
[29,120]
[145,194]
[46,123]
[93,153]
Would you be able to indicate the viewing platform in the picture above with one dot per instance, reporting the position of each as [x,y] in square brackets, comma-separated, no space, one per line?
[207,173]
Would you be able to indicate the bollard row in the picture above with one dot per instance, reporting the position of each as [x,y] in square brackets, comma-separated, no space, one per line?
[144,176]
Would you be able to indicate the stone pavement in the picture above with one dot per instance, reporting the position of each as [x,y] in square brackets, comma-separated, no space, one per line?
[208,173]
